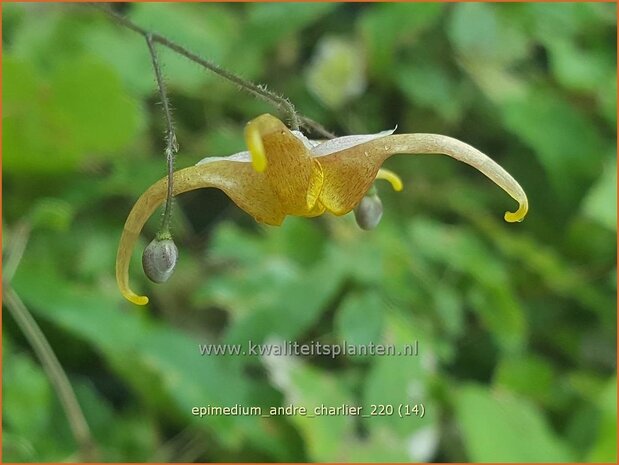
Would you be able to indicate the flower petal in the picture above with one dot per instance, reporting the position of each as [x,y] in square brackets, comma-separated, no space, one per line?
[438,144]
[317,210]
[315,186]
[289,169]
[244,157]
[322,148]
[308,143]
[247,188]
[349,173]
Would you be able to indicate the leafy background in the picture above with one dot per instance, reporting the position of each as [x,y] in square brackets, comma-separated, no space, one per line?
[516,323]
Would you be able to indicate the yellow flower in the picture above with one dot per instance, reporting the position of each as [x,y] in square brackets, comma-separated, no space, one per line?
[283,173]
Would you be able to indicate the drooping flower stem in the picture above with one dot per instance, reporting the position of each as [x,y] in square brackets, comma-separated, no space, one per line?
[259,91]
[171,142]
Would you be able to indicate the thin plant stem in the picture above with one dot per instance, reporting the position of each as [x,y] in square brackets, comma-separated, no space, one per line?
[19,239]
[260,91]
[318,128]
[41,347]
[171,142]
[54,371]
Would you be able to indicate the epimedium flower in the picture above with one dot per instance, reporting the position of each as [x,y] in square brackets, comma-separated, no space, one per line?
[284,173]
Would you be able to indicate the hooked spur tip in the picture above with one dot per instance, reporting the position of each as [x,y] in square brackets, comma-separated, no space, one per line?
[518,215]
[253,140]
[136,299]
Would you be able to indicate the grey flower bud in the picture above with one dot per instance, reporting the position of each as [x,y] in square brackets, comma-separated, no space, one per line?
[159,260]
[369,212]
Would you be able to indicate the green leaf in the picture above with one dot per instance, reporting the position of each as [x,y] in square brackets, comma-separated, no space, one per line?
[327,437]
[502,315]
[578,69]
[335,73]
[52,213]
[489,45]
[600,204]
[311,292]
[269,22]
[448,304]
[134,436]
[208,30]
[230,242]
[299,239]
[431,87]
[139,349]
[493,298]
[498,427]
[458,248]
[479,34]
[403,379]
[26,112]
[48,38]
[605,448]
[263,277]
[359,318]
[388,27]
[92,107]
[474,29]
[568,144]
[528,376]
[27,400]
[607,101]
[568,19]
[380,447]
[12,20]
[127,53]
[80,112]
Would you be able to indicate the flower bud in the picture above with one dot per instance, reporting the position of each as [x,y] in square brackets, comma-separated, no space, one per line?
[159,260]
[369,212]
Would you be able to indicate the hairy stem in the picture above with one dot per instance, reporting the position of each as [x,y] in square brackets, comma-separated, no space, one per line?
[260,91]
[171,143]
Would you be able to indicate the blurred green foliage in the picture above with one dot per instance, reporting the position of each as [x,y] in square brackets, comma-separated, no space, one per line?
[516,323]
